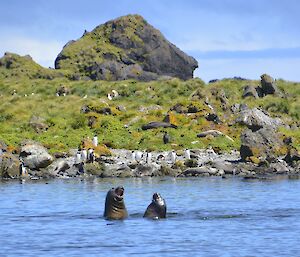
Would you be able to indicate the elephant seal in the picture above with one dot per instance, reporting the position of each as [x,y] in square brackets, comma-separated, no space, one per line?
[114,204]
[157,208]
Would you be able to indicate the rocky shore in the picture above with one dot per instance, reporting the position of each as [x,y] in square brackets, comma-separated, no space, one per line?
[34,162]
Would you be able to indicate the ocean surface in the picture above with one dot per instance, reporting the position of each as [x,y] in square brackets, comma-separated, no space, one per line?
[205,217]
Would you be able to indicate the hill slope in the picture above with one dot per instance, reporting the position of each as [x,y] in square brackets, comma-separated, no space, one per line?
[125,48]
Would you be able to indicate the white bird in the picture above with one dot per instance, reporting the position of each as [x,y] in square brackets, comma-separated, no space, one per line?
[133,156]
[114,93]
[85,97]
[95,141]
[83,155]
[91,156]
[173,156]
[23,170]
[148,158]
[138,156]
[78,158]
[109,97]
[187,154]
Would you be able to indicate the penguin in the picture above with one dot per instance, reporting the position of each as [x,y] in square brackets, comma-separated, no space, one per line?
[95,141]
[23,170]
[132,155]
[187,154]
[90,155]
[148,158]
[173,157]
[81,168]
[84,155]
[78,157]
[138,156]
[166,138]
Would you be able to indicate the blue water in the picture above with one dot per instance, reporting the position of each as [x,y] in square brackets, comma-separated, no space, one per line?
[206,217]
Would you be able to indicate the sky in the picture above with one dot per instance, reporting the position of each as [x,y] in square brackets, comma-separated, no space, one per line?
[227,37]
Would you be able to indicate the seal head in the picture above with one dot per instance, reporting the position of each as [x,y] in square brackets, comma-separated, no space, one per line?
[157,208]
[114,204]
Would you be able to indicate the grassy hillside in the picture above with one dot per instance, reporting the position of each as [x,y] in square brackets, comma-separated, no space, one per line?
[22,98]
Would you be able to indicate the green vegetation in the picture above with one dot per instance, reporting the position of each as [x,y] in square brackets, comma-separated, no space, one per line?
[95,47]
[138,103]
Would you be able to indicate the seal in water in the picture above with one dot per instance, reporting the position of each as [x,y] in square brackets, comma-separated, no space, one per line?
[157,208]
[114,204]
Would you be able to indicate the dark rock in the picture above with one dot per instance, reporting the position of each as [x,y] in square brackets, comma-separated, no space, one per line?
[166,138]
[125,48]
[213,81]
[157,124]
[239,78]
[122,171]
[268,85]
[179,108]
[199,171]
[292,156]
[9,166]
[249,91]
[92,120]
[192,109]
[213,117]
[94,168]
[263,144]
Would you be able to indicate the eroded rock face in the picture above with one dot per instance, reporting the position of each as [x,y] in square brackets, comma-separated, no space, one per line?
[125,48]
[35,156]
[264,144]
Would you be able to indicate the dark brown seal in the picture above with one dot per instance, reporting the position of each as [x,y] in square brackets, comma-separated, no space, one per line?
[114,204]
[157,208]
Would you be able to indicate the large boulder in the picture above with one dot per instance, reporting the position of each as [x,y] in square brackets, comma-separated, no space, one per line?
[263,144]
[256,119]
[35,156]
[125,48]
[268,85]
[9,166]
[250,91]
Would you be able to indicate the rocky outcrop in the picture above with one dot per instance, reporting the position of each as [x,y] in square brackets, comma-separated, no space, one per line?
[9,166]
[250,91]
[256,119]
[35,156]
[125,48]
[12,65]
[264,144]
[158,124]
[268,85]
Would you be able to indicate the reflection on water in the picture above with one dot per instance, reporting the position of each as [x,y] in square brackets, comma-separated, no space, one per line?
[205,217]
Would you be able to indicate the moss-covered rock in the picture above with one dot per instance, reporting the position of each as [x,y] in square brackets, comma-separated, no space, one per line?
[14,65]
[125,48]
[9,166]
